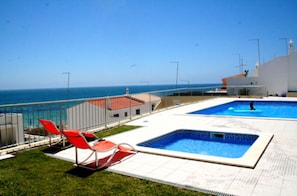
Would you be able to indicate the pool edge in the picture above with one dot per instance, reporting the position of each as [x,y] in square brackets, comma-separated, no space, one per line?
[248,160]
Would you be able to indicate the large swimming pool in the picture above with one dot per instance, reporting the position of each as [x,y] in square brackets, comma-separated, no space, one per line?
[266,109]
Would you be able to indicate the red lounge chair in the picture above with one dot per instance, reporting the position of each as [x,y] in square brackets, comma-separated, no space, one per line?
[78,140]
[49,126]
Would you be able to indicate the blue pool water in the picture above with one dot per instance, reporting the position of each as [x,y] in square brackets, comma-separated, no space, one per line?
[269,109]
[229,145]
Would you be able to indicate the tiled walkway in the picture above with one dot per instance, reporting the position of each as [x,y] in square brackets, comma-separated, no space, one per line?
[275,173]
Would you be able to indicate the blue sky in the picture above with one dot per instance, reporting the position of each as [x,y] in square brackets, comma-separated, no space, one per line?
[126,42]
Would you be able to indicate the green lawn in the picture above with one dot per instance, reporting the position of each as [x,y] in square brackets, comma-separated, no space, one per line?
[33,173]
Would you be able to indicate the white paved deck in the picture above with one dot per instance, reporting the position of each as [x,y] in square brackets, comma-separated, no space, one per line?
[275,173]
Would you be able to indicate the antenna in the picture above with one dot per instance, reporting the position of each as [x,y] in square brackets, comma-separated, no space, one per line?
[239,65]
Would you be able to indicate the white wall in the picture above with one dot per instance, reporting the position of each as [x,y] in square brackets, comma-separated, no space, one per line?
[87,116]
[274,75]
[11,129]
[84,115]
[277,76]
[243,81]
[292,86]
[250,83]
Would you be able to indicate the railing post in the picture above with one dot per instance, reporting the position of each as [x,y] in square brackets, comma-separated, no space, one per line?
[61,121]
[150,103]
[130,106]
[105,113]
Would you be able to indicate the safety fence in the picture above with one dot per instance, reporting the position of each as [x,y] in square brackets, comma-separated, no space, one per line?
[20,128]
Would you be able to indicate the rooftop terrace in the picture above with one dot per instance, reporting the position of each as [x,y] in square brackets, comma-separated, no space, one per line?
[274,174]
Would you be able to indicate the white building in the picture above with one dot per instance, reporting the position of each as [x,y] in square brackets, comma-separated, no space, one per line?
[100,112]
[276,77]
[11,129]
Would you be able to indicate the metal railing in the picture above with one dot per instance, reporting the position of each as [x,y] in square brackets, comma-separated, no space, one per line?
[19,126]
[247,90]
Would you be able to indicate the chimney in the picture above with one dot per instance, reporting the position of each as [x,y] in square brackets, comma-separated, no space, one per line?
[291,47]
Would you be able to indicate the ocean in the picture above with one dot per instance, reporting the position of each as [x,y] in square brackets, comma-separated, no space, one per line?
[54,94]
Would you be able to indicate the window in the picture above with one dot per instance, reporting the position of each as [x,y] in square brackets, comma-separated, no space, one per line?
[126,114]
[137,111]
[153,106]
[116,115]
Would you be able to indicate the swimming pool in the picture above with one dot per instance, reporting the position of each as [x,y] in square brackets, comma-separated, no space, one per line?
[229,145]
[238,149]
[266,109]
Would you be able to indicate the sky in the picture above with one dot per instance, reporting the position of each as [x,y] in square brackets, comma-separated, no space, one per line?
[133,42]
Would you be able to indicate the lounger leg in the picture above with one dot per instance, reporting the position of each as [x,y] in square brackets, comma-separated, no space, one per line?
[76,156]
[50,139]
[63,140]
[96,160]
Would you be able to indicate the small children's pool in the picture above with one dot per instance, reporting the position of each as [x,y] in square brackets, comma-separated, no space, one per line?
[264,109]
[229,145]
[240,149]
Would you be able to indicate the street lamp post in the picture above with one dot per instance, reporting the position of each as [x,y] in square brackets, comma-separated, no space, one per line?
[176,72]
[68,80]
[258,41]
[188,81]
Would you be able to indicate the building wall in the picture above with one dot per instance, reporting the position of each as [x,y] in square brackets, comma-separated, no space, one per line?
[235,85]
[277,76]
[86,116]
[292,86]
[274,75]
[11,129]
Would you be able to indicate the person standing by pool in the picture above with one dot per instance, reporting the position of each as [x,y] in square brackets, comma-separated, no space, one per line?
[252,106]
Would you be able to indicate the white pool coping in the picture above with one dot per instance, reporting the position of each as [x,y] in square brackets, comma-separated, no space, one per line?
[249,159]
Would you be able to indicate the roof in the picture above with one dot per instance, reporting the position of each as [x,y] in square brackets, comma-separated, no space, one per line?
[116,103]
[146,97]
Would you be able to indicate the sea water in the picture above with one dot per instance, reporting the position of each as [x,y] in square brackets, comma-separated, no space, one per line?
[30,114]
[54,94]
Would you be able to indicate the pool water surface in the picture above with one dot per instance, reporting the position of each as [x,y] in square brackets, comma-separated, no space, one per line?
[229,145]
[230,148]
[269,109]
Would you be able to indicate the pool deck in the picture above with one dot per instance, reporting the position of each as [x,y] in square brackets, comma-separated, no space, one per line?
[274,174]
